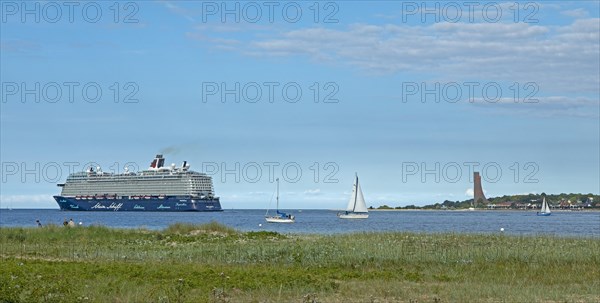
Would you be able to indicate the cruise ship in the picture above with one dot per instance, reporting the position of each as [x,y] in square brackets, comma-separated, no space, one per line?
[157,188]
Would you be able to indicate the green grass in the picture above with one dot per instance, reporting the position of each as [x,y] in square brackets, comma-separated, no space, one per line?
[215,263]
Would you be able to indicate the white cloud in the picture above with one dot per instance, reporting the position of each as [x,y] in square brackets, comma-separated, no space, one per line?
[185,13]
[257,193]
[576,13]
[527,193]
[470,193]
[313,192]
[558,58]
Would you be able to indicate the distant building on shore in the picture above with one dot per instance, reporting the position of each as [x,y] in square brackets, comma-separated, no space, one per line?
[478,196]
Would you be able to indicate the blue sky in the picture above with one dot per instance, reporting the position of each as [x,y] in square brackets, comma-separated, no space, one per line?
[372,62]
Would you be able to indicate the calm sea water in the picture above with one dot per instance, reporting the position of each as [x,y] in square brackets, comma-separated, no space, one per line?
[575,223]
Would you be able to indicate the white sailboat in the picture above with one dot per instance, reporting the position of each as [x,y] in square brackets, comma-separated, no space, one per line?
[357,207]
[279,217]
[545,211]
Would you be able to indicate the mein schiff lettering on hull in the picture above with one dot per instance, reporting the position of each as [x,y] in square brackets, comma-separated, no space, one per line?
[158,188]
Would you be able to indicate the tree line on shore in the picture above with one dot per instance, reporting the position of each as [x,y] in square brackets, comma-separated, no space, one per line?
[584,200]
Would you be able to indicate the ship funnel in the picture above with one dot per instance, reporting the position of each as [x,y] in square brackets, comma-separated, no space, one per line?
[158,162]
[184,164]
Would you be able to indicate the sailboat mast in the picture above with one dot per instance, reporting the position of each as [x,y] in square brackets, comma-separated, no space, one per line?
[277,194]
[355,193]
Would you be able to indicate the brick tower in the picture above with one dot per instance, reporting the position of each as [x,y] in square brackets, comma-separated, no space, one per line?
[478,196]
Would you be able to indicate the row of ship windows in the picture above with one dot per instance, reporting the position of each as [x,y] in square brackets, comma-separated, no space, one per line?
[137,188]
[134,183]
[137,181]
[131,192]
[175,177]
[147,172]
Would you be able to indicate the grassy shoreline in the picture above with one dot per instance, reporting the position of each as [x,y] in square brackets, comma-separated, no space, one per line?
[214,263]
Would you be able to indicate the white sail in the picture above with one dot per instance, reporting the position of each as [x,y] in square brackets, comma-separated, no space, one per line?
[545,208]
[357,200]
[361,205]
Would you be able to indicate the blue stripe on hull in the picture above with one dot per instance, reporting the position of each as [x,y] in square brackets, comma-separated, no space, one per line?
[142,204]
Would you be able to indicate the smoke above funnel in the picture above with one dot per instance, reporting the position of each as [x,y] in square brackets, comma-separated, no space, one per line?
[170,150]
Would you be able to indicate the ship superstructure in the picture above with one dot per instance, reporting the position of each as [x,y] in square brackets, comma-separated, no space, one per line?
[157,188]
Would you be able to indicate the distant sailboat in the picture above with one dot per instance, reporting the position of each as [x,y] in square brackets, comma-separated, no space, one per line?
[545,211]
[279,217]
[357,207]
